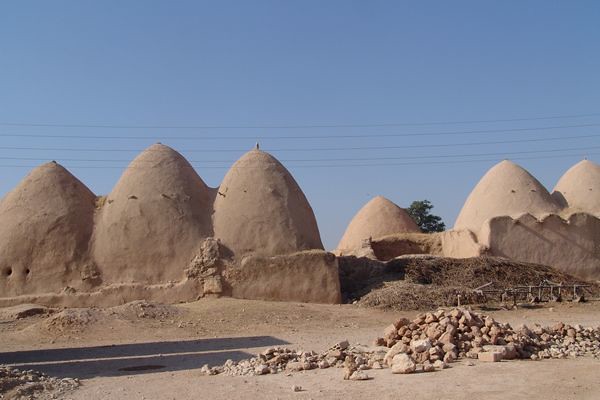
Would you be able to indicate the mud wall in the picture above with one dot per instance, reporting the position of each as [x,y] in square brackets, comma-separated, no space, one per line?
[308,276]
[461,244]
[570,245]
[393,246]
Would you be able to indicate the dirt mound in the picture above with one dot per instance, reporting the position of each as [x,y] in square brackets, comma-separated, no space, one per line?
[579,188]
[261,209]
[17,384]
[506,189]
[421,282]
[145,309]
[45,226]
[378,218]
[72,320]
[21,311]
[154,219]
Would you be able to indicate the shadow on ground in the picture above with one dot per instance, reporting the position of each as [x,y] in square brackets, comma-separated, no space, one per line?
[136,358]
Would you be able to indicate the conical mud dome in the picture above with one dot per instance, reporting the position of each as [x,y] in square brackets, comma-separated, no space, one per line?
[378,218]
[261,209]
[154,219]
[506,189]
[579,188]
[45,226]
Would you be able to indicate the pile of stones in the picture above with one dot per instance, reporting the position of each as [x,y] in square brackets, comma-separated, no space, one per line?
[356,359]
[29,384]
[444,336]
[429,342]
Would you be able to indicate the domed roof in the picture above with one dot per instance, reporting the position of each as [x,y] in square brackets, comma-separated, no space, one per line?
[579,188]
[378,218]
[45,226]
[153,220]
[506,189]
[261,209]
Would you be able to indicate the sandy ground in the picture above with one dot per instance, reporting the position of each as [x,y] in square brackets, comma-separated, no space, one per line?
[122,353]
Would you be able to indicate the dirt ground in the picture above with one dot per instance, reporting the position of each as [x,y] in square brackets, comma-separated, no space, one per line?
[146,351]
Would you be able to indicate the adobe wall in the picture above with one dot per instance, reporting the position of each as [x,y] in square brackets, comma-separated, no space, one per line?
[461,244]
[392,246]
[455,243]
[570,245]
[308,276]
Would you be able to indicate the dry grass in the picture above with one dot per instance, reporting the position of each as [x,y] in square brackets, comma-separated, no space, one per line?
[424,282]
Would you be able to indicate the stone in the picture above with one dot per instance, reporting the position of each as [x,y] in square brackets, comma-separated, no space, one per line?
[261,369]
[396,349]
[439,364]
[335,353]
[343,345]
[295,366]
[421,357]
[429,318]
[390,332]
[402,364]
[446,338]
[359,376]
[428,367]
[296,388]
[449,357]
[401,323]
[448,347]
[490,356]
[420,346]
[509,352]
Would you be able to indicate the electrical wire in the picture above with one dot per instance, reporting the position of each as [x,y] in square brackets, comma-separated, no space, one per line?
[262,137]
[307,126]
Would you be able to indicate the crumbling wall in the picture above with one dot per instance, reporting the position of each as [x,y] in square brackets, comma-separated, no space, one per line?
[392,246]
[307,276]
[570,245]
[454,243]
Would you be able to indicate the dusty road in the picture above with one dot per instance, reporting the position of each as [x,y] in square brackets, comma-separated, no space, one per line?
[141,352]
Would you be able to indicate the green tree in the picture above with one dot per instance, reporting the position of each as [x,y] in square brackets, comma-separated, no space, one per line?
[420,213]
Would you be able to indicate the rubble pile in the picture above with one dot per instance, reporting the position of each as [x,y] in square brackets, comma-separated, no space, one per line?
[429,342]
[444,336]
[17,384]
[275,360]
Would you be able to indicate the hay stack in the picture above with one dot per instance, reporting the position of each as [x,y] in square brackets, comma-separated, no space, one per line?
[261,209]
[45,226]
[579,188]
[379,217]
[505,190]
[153,221]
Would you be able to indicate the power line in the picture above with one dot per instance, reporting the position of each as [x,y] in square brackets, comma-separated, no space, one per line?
[344,136]
[331,159]
[441,163]
[300,149]
[308,126]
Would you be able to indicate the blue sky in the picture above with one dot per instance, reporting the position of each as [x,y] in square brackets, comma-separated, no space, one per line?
[286,63]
